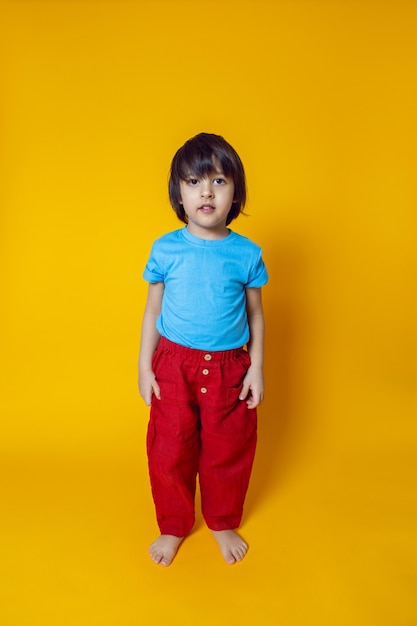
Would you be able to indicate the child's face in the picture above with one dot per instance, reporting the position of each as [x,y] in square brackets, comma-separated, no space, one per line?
[207,202]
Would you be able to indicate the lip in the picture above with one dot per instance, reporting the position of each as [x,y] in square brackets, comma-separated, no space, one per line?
[206,208]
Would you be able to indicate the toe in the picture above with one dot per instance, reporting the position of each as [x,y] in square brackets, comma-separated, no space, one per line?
[155,556]
[240,552]
[238,555]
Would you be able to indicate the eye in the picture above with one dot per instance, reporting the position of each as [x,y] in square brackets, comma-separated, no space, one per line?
[192,182]
[219,181]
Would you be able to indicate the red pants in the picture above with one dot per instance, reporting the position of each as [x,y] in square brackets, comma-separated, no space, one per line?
[199,426]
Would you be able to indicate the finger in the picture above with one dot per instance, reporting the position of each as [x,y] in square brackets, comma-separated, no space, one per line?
[147,398]
[252,403]
[254,400]
[156,390]
[245,390]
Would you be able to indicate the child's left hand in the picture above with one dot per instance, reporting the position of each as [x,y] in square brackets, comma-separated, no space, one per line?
[253,387]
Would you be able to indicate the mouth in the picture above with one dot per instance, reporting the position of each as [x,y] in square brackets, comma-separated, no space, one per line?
[206,208]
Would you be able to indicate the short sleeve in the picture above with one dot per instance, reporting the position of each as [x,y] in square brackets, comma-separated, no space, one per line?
[153,272]
[258,275]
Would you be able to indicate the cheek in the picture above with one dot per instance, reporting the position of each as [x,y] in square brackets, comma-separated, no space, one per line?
[185,195]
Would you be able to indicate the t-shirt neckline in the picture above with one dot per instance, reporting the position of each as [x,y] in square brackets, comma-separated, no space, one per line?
[198,241]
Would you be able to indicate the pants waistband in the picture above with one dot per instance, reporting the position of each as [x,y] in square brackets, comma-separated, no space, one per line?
[198,355]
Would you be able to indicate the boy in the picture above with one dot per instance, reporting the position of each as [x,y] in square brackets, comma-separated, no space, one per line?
[204,306]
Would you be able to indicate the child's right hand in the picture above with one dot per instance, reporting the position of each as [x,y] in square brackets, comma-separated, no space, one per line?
[148,386]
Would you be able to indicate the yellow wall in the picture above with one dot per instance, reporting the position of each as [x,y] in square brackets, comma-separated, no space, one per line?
[319,99]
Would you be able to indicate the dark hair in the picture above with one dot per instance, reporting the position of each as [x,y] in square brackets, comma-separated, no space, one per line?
[199,157]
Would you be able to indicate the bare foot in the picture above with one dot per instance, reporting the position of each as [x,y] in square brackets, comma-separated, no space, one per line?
[231,545]
[164,549]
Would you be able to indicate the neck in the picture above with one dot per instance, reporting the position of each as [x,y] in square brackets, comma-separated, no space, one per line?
[208,233]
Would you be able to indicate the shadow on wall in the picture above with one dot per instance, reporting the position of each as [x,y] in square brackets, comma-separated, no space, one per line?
[283,418]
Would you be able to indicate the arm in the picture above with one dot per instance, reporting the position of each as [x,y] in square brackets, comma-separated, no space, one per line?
[253,383]
[149,341]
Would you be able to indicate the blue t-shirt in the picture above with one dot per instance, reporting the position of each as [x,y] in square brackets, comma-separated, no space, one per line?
[204,301]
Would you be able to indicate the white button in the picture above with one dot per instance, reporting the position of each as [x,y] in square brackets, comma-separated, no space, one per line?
[205,372]
[207,357]
[203,390]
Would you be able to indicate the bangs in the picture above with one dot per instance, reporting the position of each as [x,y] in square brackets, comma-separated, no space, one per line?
[202,163]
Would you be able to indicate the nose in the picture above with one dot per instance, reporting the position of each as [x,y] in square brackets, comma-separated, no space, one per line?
[206,189]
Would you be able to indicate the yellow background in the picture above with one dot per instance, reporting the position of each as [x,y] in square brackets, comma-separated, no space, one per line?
[319,99]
